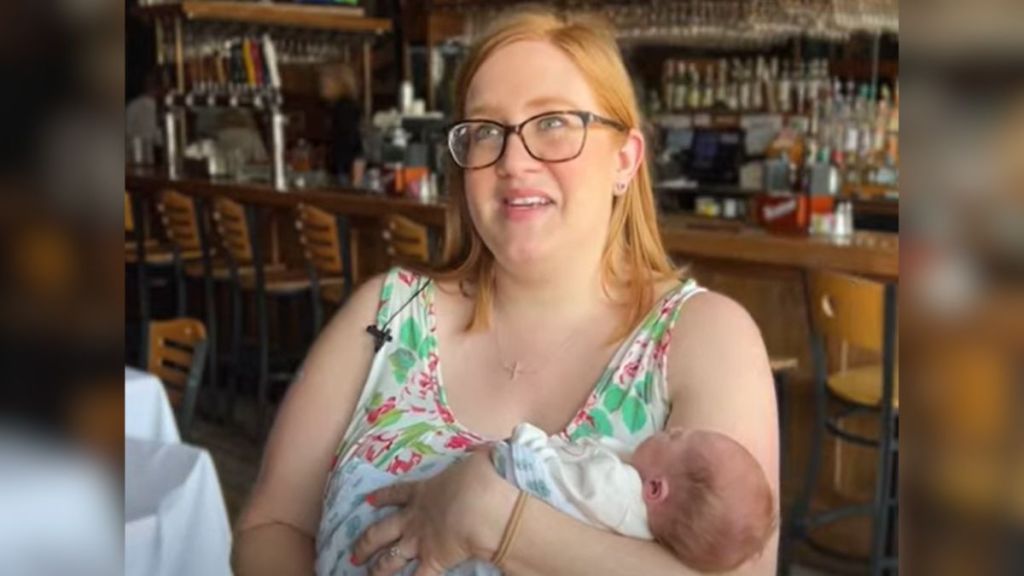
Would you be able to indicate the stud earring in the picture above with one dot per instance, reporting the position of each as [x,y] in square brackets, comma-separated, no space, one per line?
[620,187]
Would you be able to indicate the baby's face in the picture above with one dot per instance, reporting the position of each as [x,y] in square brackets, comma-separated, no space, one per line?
[655,453]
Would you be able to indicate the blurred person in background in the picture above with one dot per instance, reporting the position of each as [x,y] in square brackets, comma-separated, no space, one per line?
[238,133]
[141,120]
[339,89]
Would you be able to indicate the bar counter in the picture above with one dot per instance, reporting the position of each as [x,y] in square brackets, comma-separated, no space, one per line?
[874,254]
[352,201]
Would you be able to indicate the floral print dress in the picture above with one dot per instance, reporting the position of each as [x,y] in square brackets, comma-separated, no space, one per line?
[403,424]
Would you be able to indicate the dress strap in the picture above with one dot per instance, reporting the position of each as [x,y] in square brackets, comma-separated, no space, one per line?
[401,287]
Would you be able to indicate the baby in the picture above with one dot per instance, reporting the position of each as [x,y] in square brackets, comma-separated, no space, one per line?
[699,493]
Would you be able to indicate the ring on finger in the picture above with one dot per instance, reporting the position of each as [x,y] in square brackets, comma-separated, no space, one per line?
[396,552]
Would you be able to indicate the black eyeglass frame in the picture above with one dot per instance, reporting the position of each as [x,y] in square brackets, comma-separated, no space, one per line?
[587,118]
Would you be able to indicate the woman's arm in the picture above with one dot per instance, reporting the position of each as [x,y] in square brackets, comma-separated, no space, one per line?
[276,532]
[719,379]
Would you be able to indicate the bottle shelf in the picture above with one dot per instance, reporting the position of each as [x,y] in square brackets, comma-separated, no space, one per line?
[336,19]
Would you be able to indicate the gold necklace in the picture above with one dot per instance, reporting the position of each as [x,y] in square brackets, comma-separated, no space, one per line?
[515,368]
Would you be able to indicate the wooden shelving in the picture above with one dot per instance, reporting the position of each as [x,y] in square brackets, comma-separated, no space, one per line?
[337,19]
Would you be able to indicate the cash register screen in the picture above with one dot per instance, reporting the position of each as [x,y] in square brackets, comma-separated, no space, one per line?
[715,156]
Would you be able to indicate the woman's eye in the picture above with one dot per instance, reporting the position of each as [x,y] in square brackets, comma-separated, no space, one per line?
[552,123]
[486,132]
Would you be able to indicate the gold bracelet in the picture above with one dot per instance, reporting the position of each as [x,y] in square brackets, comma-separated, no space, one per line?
[510,529]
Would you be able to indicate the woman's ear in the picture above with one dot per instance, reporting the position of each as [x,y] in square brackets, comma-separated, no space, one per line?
[655,489]
[628,160]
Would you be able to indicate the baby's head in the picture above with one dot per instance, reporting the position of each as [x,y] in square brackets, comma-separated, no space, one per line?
[707,497]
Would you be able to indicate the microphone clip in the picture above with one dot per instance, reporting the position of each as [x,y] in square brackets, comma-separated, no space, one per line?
[379,336]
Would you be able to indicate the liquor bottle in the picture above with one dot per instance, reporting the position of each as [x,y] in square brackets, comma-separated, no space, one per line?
[802,81]
[708,97]
[668,86]
[682,86]
[733,89]
[745,86]
[695,91]
[783,87]
[721,89]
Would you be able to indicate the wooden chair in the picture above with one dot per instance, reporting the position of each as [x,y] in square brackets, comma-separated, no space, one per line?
[234,224]
[177,353]
[848,311]
[154,255]
[327,247]
[181,224]
[157,253]
[407,241]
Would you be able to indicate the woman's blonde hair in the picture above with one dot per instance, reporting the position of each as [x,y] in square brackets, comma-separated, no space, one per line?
[633,257]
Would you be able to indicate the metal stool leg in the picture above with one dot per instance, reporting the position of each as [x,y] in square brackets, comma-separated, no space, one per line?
[180,294]
[139,215]
[236,351]
[780,398]
[801,507]
[208,295]
[262,328]
[885,499]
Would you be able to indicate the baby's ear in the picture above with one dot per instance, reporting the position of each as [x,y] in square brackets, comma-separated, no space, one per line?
[655,489]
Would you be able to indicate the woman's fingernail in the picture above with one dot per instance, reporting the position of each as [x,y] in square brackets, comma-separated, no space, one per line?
[354,561]
[371,500]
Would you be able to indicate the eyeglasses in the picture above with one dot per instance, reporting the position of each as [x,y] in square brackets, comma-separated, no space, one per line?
[548,137]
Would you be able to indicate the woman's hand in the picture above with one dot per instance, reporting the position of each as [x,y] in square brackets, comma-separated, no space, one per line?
[452,517]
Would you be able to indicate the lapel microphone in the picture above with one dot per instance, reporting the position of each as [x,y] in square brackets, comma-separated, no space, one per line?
[379,336]
[383,334]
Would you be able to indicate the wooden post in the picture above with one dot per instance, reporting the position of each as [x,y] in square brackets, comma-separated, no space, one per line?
[367,76]
[179,59]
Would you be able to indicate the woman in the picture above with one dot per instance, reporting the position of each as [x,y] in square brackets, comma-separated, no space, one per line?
[550,160]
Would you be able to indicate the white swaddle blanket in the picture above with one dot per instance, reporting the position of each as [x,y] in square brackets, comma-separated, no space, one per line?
[523,461]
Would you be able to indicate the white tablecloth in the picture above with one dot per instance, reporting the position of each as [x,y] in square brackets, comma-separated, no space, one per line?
[175,520]
[147,412]
[58,511]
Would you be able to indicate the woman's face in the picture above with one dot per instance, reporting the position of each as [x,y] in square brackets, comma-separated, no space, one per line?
[516,82]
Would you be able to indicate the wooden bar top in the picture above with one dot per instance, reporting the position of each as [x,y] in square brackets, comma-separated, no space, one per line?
[873,254]
[349,201]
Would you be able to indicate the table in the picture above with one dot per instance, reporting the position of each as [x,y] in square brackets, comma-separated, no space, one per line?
[175,519]
[147,411]
[58,510]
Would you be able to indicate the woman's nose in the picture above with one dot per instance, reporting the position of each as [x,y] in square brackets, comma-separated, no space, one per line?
[515,158]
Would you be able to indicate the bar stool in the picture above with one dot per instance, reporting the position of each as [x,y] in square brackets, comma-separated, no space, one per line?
[852,311]
[193,258]
[406,241]
[198,257]
[235,224]
[177,353]
[157,253]
[181,223]
[144,253]
[327,246]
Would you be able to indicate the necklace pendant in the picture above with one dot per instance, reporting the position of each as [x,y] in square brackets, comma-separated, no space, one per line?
[513,371]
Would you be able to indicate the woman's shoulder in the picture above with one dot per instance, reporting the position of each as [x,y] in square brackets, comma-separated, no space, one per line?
[713,318]
[399,280]
[713,331]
